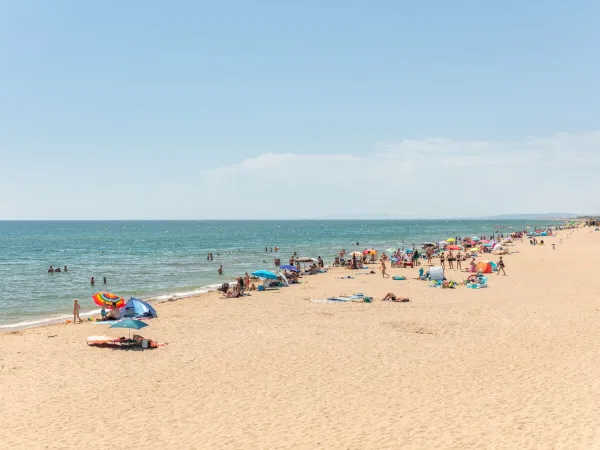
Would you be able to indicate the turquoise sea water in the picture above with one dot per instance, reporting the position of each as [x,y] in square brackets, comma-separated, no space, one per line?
[161,259]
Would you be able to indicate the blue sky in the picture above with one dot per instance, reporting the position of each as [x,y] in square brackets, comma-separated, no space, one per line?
[190,109]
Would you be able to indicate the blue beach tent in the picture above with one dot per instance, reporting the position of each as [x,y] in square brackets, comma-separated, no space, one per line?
[139,308]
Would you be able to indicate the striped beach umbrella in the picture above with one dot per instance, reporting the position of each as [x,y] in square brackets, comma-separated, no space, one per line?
[108,299]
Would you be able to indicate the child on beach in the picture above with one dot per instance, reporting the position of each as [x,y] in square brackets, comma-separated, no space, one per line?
[76,308]
[383,269]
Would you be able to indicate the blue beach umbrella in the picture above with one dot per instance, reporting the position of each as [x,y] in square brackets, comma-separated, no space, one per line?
[288,267]
[267,274]
[132,324]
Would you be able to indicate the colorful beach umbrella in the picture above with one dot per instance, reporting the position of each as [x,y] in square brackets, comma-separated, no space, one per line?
[108,298]
[288,267]
[267,274]
[450,240]
[453,247]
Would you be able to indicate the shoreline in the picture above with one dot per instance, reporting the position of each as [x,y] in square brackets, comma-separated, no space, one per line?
[155,300]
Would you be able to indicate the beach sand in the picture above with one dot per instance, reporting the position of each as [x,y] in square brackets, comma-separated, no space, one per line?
[514,366]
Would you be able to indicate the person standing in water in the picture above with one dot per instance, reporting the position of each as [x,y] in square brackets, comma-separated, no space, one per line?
[76,308]
[104,280]
[220,271]
[92,281]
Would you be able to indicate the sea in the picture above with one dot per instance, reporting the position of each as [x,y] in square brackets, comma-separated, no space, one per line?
[162,260]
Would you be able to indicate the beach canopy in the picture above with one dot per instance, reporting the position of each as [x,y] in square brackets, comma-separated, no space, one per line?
[267,274]
[139,308]
[106,298]
[290,268]
[304,259]
[484,267]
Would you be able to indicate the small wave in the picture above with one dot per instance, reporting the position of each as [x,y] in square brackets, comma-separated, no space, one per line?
[186,294]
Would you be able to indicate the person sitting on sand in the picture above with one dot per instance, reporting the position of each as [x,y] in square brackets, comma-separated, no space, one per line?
[390,297]
[115,313]
[252,287]
[473,265]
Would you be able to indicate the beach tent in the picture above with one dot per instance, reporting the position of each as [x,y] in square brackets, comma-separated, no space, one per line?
[436,273]
[139,308]
[484,267]
[494,266]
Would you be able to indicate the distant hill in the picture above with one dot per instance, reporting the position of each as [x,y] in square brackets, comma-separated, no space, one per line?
[547,216]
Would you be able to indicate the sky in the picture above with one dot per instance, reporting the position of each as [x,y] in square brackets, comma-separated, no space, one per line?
[296,110]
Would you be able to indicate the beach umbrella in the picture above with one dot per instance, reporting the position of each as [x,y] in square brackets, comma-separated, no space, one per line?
[304,259]
[450,240]
[288,267]
[108,298]
[428,244]
[391,250]
[267,274]
[131,324]
[357,254]
[453,247]
[370,251]
[442,243]
[474,238]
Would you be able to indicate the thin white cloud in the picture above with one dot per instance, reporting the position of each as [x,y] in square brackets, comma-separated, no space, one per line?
[436,176]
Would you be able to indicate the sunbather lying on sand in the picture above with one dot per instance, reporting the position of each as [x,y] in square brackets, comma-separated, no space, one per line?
[390,297]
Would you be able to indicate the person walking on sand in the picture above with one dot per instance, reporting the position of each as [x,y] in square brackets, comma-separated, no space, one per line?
[501,267]
[247,280]
[451,260]
[76,308]
[458,260]
[383,269]
[442,260]
[220,271]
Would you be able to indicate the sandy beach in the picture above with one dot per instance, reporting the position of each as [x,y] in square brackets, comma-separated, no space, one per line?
[512,366]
